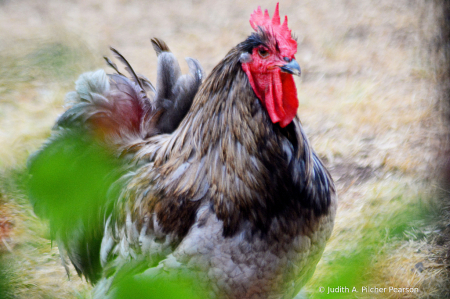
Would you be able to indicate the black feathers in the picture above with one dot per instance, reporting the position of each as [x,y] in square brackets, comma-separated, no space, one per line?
[254,40]
[127,67]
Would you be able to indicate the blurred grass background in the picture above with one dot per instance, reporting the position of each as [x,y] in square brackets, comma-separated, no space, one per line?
[370,102]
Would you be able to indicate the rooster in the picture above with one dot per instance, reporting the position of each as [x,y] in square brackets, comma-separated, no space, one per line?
[212,176]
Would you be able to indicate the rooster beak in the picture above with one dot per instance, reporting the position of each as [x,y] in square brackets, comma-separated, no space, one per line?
[291,68]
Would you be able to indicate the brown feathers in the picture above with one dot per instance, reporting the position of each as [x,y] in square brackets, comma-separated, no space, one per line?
[159,46]
[252,170]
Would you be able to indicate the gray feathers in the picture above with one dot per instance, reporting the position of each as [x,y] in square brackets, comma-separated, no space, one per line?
[175,92]
[72,173]
[124,109]
[88,99]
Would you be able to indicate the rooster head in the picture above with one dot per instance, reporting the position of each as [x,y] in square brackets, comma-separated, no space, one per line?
[269,62]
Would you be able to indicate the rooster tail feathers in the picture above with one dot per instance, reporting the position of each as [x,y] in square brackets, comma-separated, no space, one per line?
[121,111]
[176,94]
[109,108]
[168,72]
[195,69]
[159,46]
[128,67]
[112,64]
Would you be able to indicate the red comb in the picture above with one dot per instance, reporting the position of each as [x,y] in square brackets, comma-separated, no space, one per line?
[258,19]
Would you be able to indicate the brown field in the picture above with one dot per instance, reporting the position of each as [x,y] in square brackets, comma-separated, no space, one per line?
[369,100]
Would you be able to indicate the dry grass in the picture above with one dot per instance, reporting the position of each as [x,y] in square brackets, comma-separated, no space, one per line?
[368,100]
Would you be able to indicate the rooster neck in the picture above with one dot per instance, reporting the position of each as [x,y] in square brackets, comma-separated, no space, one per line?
[228,154]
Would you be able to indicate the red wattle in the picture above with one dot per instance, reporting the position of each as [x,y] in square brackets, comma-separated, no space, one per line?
[290,100]
[277,92]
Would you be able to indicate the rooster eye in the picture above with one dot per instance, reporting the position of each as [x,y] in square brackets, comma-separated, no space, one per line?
[263,53]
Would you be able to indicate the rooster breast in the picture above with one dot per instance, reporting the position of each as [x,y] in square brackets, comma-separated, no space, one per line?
[246,266]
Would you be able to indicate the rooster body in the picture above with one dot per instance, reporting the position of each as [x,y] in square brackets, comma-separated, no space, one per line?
[216,178]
